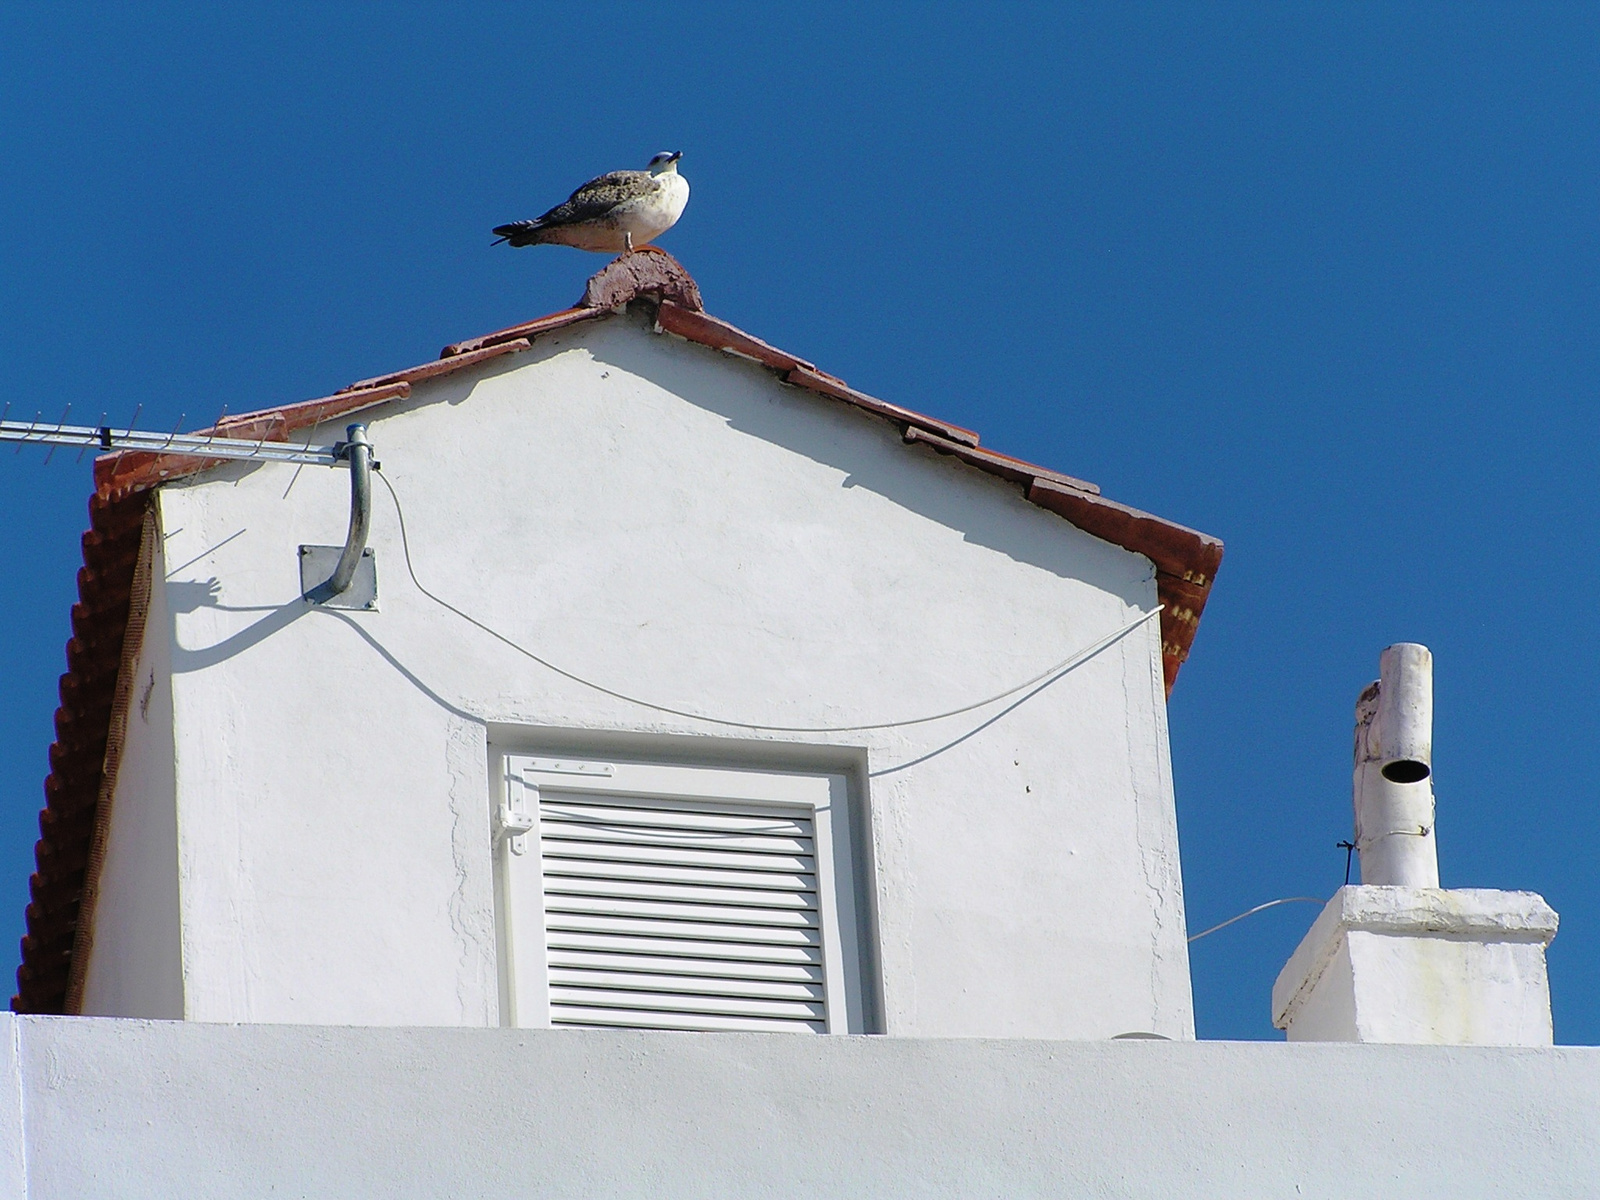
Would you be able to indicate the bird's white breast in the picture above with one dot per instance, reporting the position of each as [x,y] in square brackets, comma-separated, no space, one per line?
[652,215]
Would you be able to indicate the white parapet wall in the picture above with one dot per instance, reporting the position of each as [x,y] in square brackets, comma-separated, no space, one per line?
[109,1108]
[1460,966]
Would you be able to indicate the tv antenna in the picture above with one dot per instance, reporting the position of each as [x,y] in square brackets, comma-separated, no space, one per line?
[354,563]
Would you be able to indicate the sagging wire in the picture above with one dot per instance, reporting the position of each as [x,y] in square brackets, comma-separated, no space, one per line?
[1250,912]
[1059,668]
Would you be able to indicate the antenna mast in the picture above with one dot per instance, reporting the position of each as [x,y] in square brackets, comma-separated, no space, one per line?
[326,572]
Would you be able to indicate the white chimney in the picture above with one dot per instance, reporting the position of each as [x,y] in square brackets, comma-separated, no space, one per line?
[1394,771]
[1398,958]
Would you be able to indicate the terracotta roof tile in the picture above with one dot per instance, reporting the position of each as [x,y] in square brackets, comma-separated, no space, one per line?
[719,335]
[1185,563]
[441,366]
[827,385]
[76,760]
[528,329]
[1003,465]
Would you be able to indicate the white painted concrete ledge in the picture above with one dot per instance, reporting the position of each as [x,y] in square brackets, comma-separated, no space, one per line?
[126,1108]
[1386,963]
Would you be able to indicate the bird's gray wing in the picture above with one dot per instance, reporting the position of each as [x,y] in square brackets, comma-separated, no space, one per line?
[599,196]
[589,203]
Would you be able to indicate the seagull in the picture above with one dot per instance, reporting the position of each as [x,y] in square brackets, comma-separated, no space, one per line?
[611,214]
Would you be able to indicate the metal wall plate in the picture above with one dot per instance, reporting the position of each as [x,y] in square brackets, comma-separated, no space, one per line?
[316,568]
[568,766]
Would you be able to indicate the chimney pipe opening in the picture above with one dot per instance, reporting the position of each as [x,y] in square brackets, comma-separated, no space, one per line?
[1405,770]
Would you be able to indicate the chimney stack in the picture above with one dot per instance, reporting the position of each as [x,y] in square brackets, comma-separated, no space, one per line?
[1394,771]
[1398,958]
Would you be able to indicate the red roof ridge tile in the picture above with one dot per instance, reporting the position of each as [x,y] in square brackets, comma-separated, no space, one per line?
[1185,562]
[647,271]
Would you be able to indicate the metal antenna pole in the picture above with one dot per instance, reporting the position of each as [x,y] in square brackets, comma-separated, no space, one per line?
[359,453]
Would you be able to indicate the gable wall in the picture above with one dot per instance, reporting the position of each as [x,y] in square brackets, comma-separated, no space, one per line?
[676,525]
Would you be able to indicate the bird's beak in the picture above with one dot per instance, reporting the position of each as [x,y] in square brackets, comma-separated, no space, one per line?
[676,155]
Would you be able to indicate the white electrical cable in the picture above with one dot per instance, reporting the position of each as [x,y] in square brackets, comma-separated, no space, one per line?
[1060,668]
[1250,912]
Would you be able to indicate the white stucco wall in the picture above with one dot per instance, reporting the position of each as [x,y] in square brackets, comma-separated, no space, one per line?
[1327,1012]
[1445,990]
[679,526]
[112,1109]
[135,966]
[1389,963]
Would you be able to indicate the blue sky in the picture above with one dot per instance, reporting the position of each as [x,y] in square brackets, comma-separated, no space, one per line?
[1320,280]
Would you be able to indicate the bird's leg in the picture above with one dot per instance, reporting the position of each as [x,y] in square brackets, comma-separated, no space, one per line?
[627,242]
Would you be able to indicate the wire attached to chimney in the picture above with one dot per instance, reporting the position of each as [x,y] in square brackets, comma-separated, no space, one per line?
[1250,912]
[1059,668]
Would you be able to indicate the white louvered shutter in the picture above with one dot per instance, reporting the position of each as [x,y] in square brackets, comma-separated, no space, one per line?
[681,916]
[684,898]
